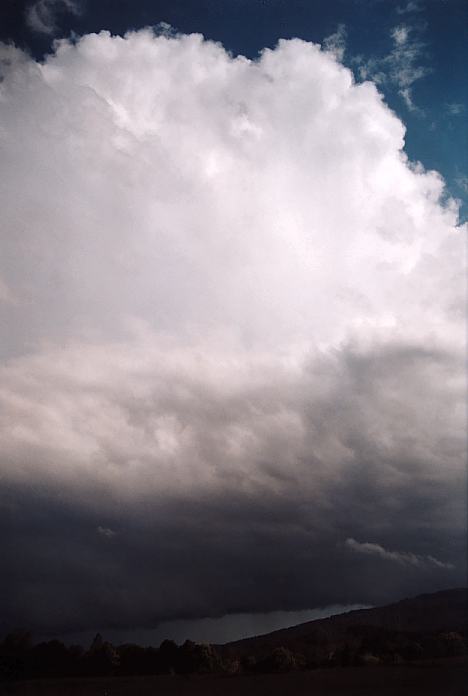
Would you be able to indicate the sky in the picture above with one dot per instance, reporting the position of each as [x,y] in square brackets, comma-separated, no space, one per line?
[232,305]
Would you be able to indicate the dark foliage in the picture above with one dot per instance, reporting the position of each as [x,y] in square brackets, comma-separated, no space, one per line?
[335,642]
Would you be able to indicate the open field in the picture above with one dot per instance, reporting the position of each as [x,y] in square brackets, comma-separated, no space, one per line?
[445,679]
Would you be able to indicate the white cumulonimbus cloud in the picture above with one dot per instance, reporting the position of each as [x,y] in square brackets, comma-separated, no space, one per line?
[221,275]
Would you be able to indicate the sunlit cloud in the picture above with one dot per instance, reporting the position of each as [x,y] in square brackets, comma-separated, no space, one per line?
[237,325]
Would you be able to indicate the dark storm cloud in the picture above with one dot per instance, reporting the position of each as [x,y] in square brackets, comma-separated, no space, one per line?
[283,544]
[201,565]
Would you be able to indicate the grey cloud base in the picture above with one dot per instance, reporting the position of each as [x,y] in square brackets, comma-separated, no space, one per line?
[233,340]
[163,567]
[268,538]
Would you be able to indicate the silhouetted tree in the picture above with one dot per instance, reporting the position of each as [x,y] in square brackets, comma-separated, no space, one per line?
[101,658]
[198,658]
[50,659]
[167,657]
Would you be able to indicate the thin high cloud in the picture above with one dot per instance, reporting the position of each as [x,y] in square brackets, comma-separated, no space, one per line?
[404,557]
[404,63]
[455,108]
[336,42]
[411,6]
[41,16]
[106,532]
[462,182]
[237,337]
[402,67]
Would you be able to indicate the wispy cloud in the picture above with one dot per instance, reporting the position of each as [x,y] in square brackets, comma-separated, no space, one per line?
[411,6]
[400,35]
[106,532]
[41,16]
[401,67]
[402,557]
[336,42]
[462,183]
[455,109]
[403,63]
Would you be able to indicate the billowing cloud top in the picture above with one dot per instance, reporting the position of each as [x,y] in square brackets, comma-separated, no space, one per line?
[233,336]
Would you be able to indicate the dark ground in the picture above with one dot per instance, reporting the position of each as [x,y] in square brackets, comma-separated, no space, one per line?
[448,678]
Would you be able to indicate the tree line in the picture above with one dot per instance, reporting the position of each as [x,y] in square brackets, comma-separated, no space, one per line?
[21,659]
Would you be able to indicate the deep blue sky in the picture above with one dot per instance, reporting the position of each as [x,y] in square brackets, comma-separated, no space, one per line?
[436,127]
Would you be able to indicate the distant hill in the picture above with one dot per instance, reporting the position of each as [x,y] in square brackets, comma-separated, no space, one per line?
[397,628]
[425,630]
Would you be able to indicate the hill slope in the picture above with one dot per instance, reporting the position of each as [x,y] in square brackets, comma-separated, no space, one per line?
[426,615]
